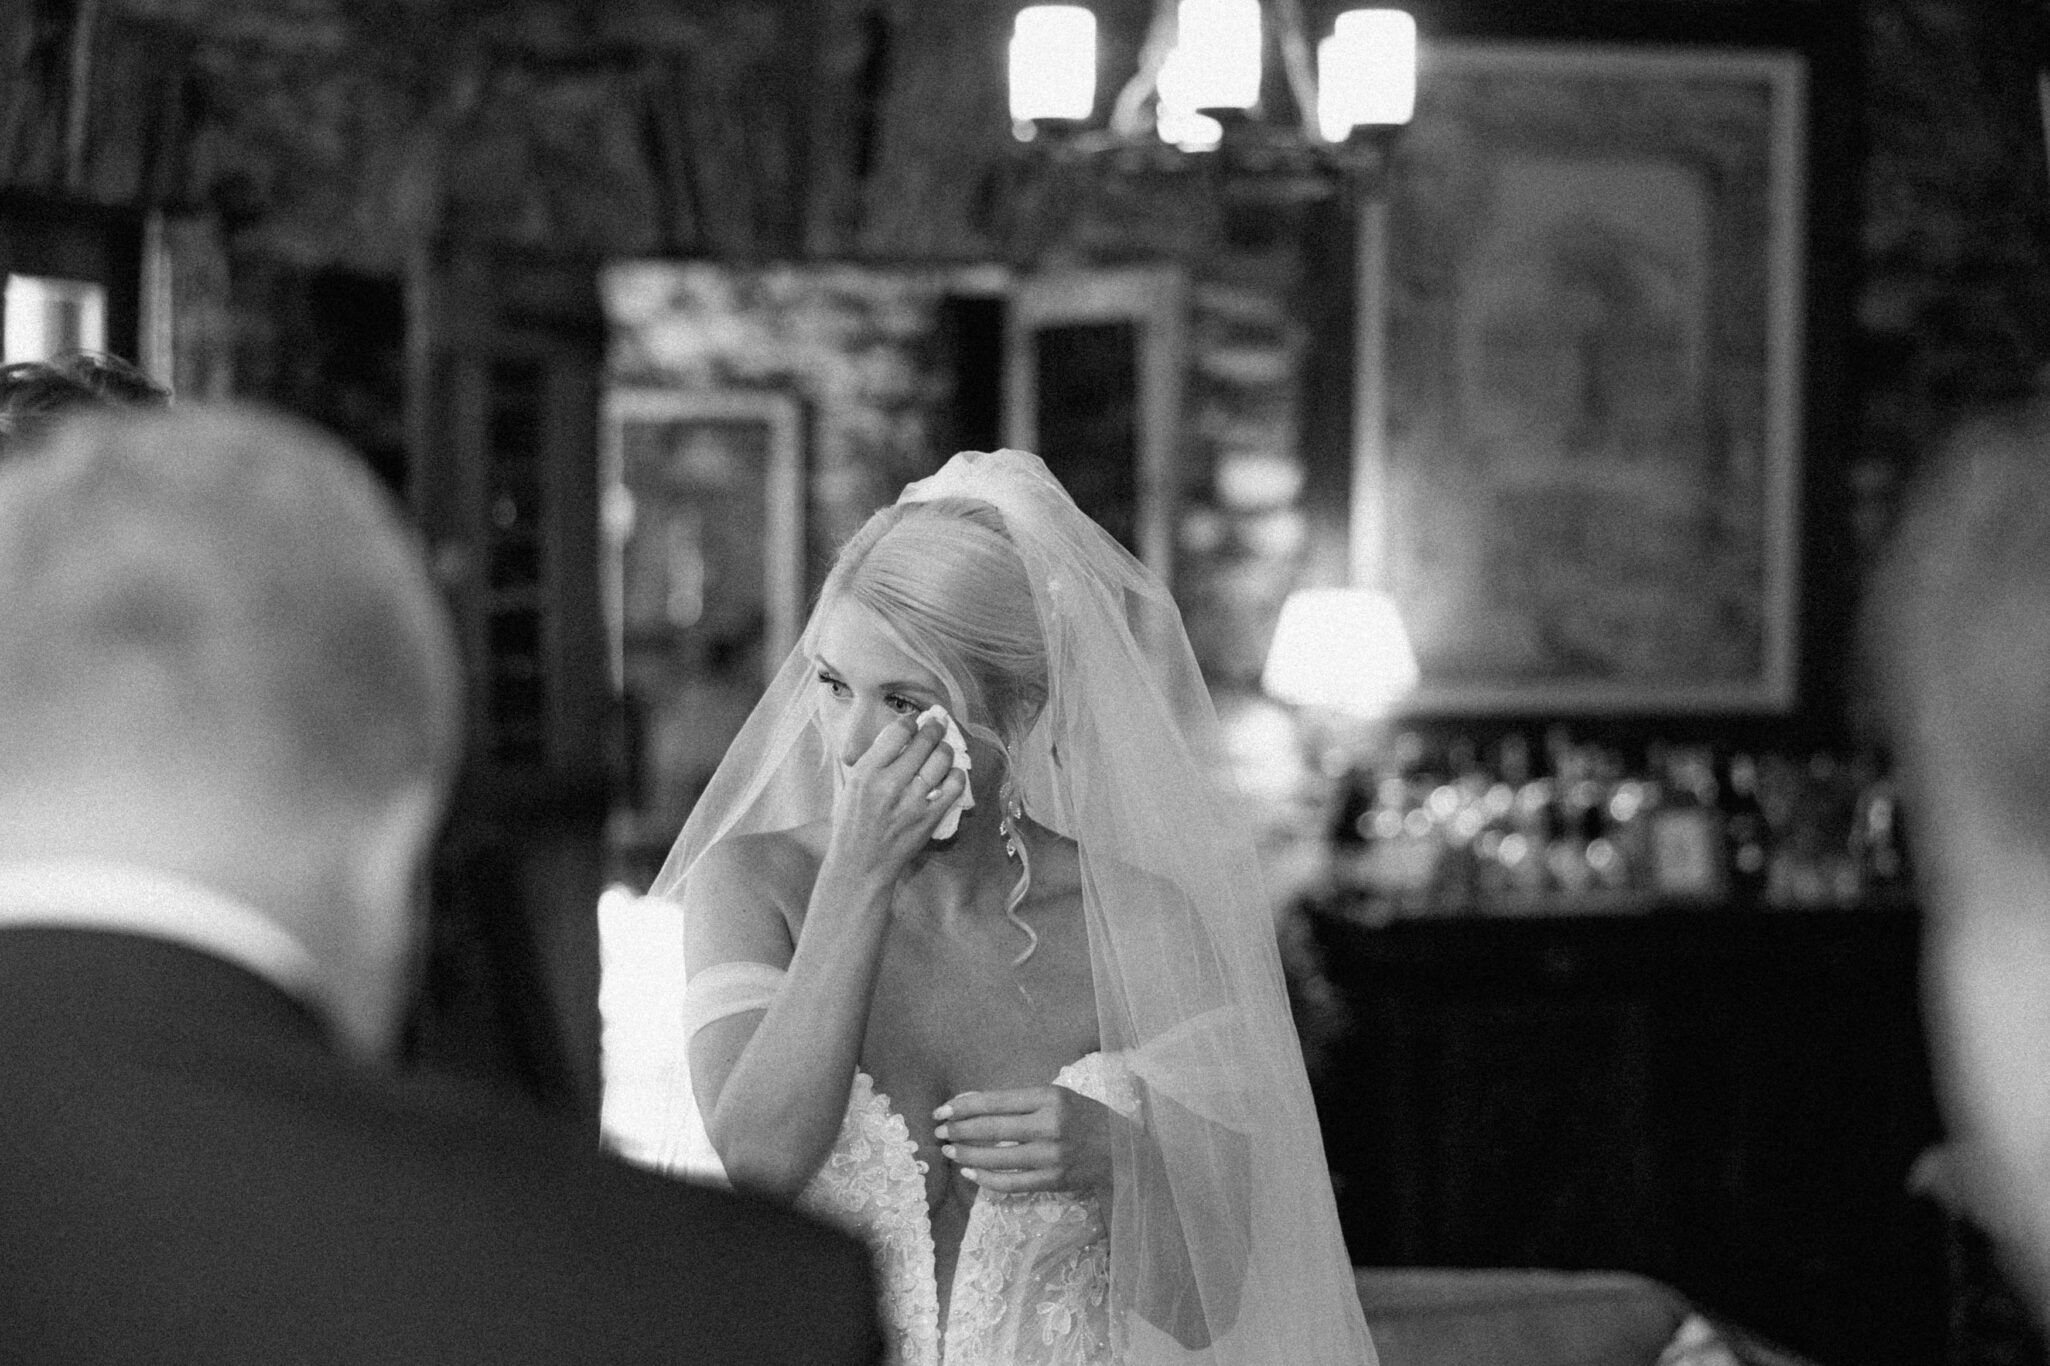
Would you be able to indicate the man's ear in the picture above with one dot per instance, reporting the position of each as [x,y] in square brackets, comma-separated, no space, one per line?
[388,919]
[395,840]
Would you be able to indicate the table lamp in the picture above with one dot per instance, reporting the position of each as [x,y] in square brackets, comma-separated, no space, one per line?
[1341,660]
[1340,650]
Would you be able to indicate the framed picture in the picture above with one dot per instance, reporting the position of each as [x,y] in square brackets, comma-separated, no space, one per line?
[703,508]
[1578,464]
[1093,373]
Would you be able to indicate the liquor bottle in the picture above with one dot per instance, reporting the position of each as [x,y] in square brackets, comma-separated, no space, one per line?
[1600,831]
[1492,881]
[1526,850]
[1746,837]
[1404,845]
[1572,793]
[1878,836]
[1459,805]
[1634,802]
[1686,831]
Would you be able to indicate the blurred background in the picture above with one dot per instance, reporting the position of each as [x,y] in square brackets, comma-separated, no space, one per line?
[1513,400]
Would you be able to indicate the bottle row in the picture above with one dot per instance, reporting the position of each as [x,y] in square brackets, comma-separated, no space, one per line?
[1569,825]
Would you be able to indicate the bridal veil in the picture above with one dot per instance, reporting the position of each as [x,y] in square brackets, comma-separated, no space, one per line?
[1222,1222]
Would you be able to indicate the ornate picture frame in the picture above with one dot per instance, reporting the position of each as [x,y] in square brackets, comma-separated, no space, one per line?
[1579,464]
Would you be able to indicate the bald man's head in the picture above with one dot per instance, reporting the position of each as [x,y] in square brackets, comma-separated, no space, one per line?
[221,655]
[228,576]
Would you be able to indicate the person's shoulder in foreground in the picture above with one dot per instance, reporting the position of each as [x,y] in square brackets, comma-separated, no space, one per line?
[1958,635]
[234,711]
[222,1184]
[728,1276]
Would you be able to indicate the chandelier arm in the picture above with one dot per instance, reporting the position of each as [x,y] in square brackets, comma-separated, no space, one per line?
[1128,112]
[1297,64]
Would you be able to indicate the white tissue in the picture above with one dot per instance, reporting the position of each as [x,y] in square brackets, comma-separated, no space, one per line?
[951,822]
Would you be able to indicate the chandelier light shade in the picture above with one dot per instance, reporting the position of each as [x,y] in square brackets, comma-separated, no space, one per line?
[1053,64]
[1344,649]
[1217,54]
[1366,72]
[1228,106]
[1201,68]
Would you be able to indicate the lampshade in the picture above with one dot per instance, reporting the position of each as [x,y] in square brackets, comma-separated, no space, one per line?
[1343,648]
[1366,71]
[1175,114]
[1216,54]
[1053,63]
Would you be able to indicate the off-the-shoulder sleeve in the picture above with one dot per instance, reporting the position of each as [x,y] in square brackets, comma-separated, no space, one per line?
[1200,1064]
[725,989]
[650,1113]
[1104,1077]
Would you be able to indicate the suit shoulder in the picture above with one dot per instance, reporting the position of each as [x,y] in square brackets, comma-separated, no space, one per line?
[757,1252]
[636,1226]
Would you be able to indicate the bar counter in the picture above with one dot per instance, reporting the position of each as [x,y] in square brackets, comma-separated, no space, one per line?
[1728,1100]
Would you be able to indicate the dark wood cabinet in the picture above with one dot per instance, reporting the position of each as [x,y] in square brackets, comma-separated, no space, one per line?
[1728,1101]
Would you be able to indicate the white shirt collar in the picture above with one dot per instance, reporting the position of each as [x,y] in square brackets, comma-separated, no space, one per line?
[130,899]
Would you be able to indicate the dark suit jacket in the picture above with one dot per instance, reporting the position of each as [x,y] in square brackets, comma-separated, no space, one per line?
[189,1173]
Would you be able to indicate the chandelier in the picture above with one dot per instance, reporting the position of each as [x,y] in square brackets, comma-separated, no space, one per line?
[1195,100]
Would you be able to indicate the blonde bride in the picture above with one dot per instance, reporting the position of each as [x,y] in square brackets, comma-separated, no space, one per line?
[978,962]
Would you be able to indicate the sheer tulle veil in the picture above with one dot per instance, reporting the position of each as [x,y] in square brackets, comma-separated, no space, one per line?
[1222,1222]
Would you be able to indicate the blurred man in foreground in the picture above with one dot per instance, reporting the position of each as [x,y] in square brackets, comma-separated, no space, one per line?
[1959,629]
[229,712]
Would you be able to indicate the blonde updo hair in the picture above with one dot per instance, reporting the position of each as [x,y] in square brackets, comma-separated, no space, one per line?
[945,578]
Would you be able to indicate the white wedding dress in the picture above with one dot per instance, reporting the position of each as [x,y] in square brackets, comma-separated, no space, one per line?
[1032,1280]
[1224,1222]
[1032,1283]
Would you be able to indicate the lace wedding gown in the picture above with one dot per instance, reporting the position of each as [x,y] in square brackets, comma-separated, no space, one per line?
[1032,1278]
[1032,1283]
[1224,1220]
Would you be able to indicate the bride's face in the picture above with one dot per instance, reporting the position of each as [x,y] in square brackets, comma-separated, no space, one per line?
[866,680]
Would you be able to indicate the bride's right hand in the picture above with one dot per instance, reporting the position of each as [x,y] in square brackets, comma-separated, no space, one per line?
[893,797]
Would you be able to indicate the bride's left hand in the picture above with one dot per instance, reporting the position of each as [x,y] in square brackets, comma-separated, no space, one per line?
[1037,1138]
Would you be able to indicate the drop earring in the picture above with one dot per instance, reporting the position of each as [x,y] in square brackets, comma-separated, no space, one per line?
[1015,848]
[1014,811]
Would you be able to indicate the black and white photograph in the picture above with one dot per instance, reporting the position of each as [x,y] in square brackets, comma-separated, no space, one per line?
[991,683]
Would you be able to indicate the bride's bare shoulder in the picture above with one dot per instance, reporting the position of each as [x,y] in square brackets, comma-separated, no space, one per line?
[1056,863]
[777,865]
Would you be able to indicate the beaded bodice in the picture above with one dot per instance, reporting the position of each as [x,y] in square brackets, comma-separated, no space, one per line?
[1032,1283]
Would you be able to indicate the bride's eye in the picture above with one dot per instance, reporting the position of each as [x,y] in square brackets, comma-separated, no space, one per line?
[833,685]
[902,705]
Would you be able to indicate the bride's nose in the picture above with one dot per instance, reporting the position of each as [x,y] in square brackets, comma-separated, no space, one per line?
[859,730]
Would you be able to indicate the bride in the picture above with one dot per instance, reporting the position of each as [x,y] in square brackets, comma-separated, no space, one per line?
[979,963]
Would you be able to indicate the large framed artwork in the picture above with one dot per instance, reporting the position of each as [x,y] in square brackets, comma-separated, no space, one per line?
[1581,479]
[704,518]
